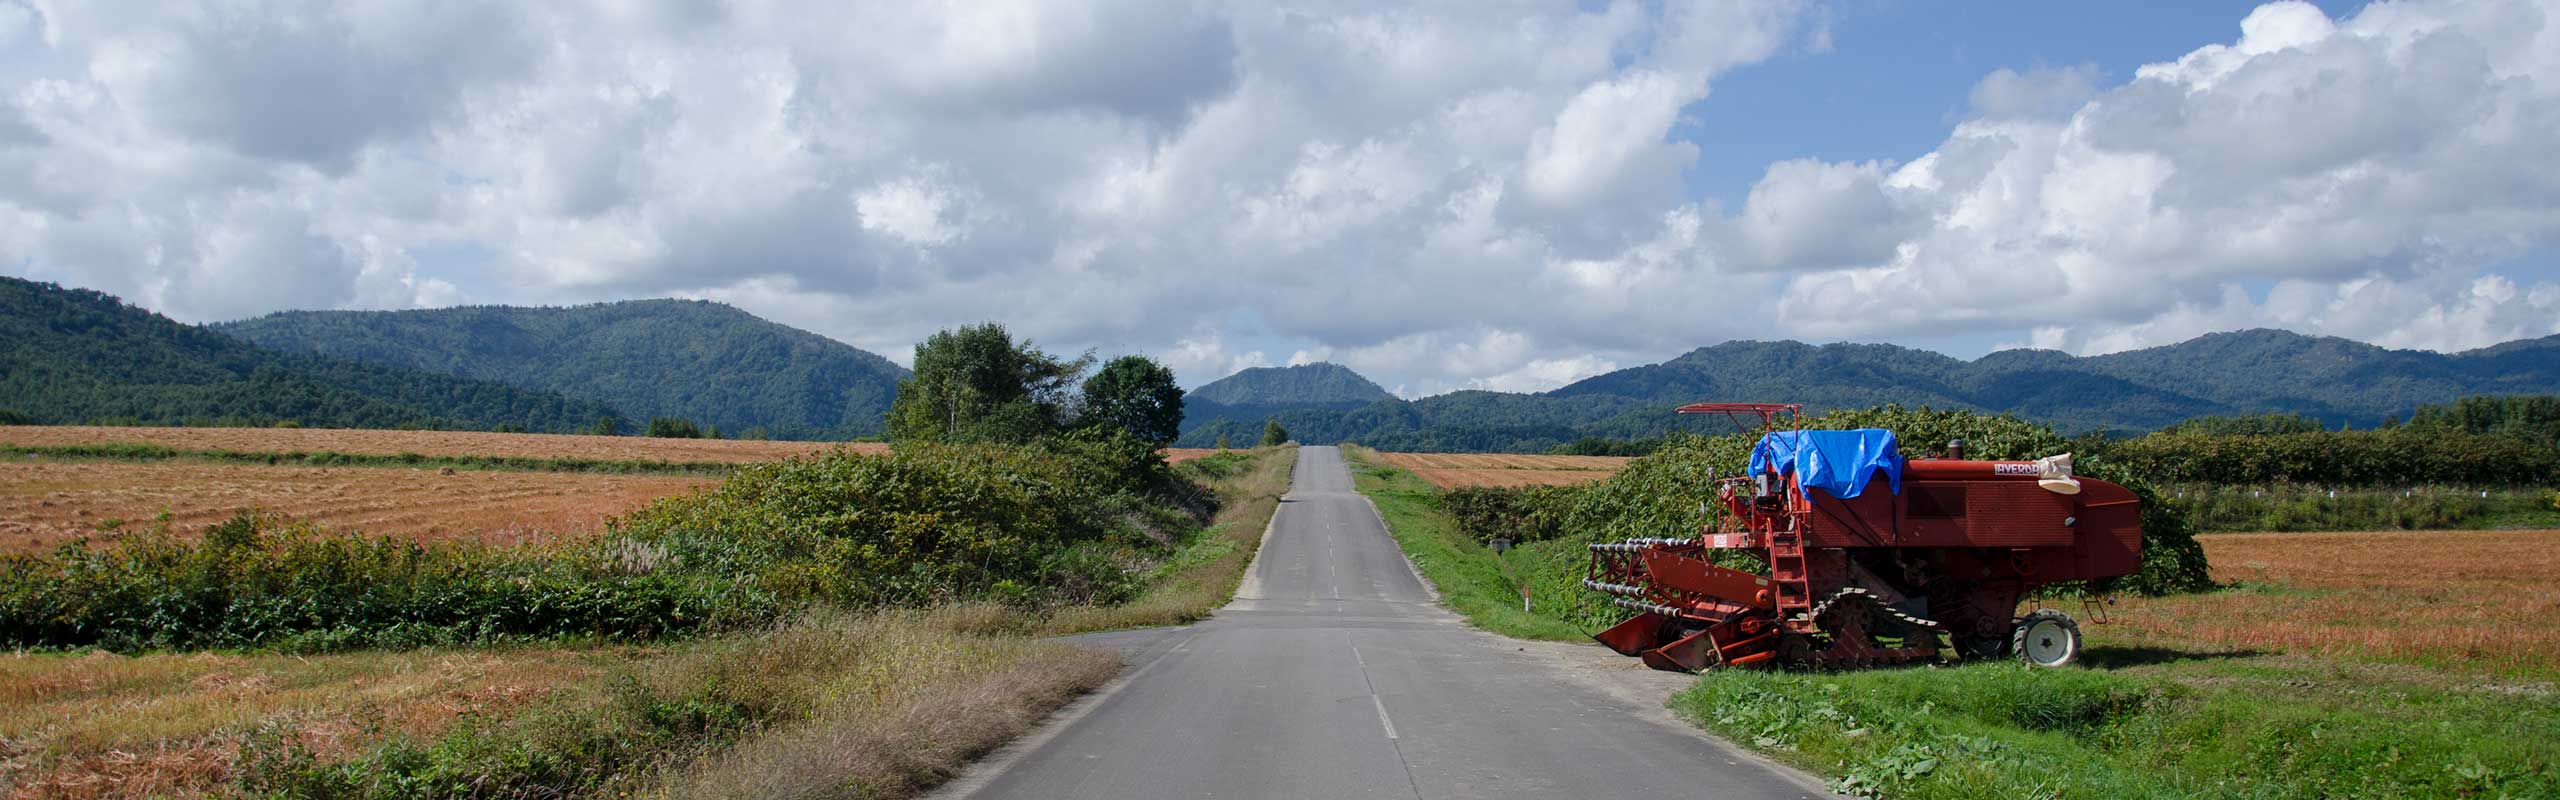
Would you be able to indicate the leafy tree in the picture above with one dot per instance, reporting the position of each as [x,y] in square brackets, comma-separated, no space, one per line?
[1273,434]
[1222,441]
[1138,395]
[976,384]
[606,426]
[672,428]
[2526,416]
[8,417]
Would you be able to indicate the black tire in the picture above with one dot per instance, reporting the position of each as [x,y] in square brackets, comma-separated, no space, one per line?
[2046,638]
[1985,647]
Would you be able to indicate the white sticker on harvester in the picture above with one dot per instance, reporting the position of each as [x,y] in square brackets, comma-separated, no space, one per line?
[2007,468]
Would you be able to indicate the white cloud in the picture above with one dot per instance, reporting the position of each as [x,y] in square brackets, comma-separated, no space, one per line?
[2378,162]
[1445,196]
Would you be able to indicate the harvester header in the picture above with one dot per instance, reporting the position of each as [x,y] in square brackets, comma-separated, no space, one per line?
[1866,557]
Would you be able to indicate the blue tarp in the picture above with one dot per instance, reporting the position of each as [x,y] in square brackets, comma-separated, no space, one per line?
[1839,462]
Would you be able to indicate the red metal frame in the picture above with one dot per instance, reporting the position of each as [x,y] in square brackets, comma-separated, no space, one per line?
[1767,412]
[1963,571]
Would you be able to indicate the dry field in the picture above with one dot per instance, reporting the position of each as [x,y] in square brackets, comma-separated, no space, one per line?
[104,725]
[1177,455]
[890,700]
[447,443]
[44,503]
[429,443]
[2474,599]
[1456,470]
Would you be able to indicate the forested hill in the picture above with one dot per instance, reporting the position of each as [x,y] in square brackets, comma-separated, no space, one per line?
[1305,385]
[2338,381]
[74,356]
[692,359]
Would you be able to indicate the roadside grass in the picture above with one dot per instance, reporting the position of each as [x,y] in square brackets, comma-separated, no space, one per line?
[1203,574]
[2394,664]
[1473,580]
[127,452]
[2144,722]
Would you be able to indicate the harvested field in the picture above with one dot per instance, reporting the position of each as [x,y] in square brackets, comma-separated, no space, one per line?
[1456,470]
[2470,600]
[104,725]
[44,503]
[429,443]
[449,443]
[1177,455]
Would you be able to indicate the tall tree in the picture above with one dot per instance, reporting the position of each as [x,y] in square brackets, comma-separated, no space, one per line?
[1273,434]
[976,384]
[1138,395]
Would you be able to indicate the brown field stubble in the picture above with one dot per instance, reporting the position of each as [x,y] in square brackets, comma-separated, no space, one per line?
[1458,470]
[46,503]
[449,443]
[103,725]
[427,443]
[2471,600]
[893,702]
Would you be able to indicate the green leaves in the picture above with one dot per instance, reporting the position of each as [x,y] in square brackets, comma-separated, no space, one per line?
[1135,394]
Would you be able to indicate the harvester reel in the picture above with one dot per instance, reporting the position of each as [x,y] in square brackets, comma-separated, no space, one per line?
[2046,638]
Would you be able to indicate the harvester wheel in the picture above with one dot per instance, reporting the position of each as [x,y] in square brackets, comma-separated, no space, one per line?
[2046,638]
[1983,647]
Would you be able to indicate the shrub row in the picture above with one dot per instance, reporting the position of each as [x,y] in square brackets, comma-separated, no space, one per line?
[1070,520]
[2399,457]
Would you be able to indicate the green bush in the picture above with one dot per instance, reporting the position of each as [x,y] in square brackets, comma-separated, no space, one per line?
[259,581]
[672,428]
[1521,514]
[2396,457]
[2299,507]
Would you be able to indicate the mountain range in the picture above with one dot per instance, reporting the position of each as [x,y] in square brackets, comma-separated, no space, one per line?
[690,359]
[73,355]
[2338,381]
[81,356]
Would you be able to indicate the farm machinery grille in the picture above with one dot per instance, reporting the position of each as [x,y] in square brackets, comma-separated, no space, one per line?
[1869,559]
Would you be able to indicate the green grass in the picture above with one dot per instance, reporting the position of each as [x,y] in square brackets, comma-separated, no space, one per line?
[2154,724]
[153,452]
[1471,578]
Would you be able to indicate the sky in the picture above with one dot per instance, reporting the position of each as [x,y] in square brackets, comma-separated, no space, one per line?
[1504,195]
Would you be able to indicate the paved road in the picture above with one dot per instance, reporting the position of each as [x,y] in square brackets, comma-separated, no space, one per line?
[1335,675]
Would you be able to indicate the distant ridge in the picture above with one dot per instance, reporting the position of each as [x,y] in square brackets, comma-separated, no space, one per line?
[2339,381]
[80,356]
[1317,384]
[694,359]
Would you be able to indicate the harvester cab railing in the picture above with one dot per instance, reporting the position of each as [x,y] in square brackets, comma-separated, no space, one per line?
[1865,558]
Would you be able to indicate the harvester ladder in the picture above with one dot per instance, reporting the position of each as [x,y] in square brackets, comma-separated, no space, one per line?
[1787,573]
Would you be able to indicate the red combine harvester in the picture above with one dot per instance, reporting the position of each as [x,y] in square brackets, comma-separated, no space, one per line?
[1871,558]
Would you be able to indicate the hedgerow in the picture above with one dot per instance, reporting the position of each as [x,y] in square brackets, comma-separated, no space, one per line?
[1072,519]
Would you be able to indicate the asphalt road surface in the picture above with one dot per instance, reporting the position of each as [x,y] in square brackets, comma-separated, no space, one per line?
[1334,674]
